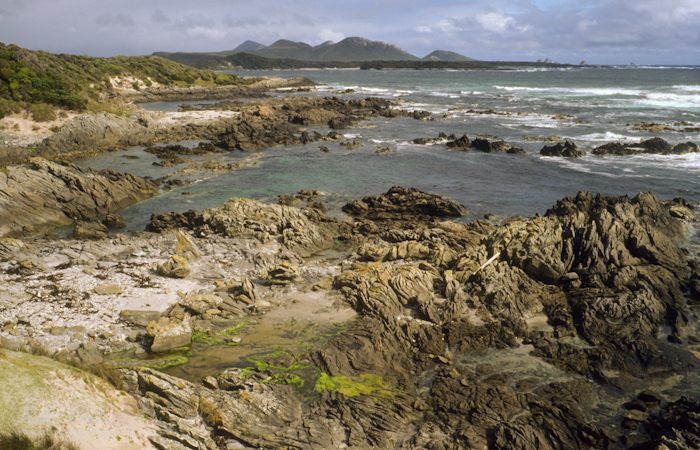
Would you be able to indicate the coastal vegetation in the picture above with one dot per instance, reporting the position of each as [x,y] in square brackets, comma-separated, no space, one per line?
[78,83]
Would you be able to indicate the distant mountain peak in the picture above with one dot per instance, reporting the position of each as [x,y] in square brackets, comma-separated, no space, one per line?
[248,46]
[286,43]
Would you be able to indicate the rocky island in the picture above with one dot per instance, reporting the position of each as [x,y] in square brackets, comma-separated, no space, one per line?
[395,319]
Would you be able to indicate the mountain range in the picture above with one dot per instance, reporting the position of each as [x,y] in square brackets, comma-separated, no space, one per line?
[352,49]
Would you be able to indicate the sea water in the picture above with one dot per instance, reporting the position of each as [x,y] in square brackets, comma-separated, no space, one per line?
[590,106]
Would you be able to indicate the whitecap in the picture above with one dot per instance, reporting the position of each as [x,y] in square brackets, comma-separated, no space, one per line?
[687,87]
[668,100]
[606,137]
[573,91]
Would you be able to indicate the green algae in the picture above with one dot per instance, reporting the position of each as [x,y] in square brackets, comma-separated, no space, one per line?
[165,362]
[364,384]
[290,374]
[228,336]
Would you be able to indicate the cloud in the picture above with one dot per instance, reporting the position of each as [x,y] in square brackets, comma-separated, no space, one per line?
[205,32]
[499,23]
[159,16]
[111,20]
[242,22]
[443,26]
[330,35]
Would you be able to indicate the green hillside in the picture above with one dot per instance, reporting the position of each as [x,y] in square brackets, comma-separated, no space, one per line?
[77,82]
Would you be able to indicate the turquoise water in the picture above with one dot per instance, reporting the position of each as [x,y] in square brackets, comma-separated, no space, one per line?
[593,106]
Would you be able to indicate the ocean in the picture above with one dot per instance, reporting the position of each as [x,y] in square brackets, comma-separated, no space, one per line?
[590,106]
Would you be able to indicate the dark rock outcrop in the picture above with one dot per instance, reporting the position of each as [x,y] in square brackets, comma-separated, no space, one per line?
[487,146]
[649,146]
[565,149]
[461,143]
[400,203]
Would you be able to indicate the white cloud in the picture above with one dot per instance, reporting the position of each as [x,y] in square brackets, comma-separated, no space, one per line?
[209,33]
[496,22]
[330,35]
[443,26]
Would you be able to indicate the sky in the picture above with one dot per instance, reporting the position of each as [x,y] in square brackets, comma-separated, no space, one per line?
[597,31]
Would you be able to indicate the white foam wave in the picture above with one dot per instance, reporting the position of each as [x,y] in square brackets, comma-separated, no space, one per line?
[668,100]
[595,92]
[687,87]
[659,67]
[606,137]
[543,69]
[443,94]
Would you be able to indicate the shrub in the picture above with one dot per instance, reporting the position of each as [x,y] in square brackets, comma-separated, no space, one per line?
[8,107]
[41,112]
[18,441]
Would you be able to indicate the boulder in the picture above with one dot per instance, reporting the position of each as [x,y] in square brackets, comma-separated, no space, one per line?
[175,267]
[281,274]
[169,334]
[655,145]
[685,147]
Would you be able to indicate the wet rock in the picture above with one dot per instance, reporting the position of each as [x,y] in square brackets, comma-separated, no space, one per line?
[175,267]
[565,149]
[340,123]
[351,144]
[461,143]
[613,148]
[487,146]
[441,138]
[385,149]
[649,146]
[685,147]
[114,220]
[655,145]
[169,334]
[676,426]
